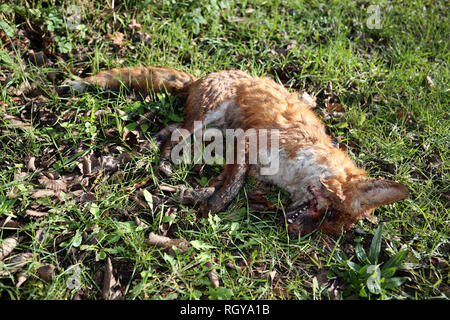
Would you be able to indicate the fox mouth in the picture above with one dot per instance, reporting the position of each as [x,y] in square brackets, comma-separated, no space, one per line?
[305,208]
[305,218]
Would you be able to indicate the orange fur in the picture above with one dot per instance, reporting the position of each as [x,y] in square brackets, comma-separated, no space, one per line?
[233,99]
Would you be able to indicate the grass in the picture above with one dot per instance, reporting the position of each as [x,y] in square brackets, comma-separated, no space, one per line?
[391,86]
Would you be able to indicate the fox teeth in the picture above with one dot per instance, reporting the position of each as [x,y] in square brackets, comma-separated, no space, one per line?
[291,220]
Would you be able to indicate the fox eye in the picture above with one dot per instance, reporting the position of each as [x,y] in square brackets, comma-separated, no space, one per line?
[329,214]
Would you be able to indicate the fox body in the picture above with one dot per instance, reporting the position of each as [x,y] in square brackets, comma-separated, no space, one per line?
[328,191]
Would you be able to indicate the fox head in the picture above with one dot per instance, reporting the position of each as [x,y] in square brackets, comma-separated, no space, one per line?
[338,204]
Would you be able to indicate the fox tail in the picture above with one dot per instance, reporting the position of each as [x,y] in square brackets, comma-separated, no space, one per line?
[141,79]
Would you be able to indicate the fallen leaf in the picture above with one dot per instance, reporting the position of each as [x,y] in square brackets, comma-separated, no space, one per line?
[56,185]
[111,286]
[7,246]
[34,213]
[272,275]
[31,164]
[21,277]
[47,272]
[167,188]
[15,263]
[8,223]
[331,103]
[117,38]
[16,122]
[212,274]
[166,242]
[42,193]
[170,215]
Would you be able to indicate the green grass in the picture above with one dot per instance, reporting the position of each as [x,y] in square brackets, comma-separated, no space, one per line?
[392,83]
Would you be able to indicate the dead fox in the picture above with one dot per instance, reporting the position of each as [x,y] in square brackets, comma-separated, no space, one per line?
[328,191]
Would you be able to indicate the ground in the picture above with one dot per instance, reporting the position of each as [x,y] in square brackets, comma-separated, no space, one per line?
[85,215]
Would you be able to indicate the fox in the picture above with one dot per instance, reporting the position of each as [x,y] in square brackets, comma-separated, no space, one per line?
[328,191]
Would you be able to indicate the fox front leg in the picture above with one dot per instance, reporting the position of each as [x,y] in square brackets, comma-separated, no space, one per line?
[235,179]
[164,135]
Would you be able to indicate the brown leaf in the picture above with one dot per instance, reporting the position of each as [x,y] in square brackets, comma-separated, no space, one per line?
[167,188]
[7,246]
[166,242]
[332,104]
[117,38]
[9,223]
[272,275]
[134,25]
[212,274]
[21,277]
[42,193]
[16,122]
[111,286]
[87,197]
[34,213]
[164,227]
[334,291]
[19,177]
[31,164]
[47,272]
[56,185]
[15,263]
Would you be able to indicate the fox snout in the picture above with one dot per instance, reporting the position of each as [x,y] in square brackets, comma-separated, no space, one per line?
[338,206]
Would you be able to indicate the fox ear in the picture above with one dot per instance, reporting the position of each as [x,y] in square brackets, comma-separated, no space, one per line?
[334,186]
[372,193]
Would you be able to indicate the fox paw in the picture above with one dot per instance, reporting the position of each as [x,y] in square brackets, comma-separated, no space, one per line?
[72,86]
[193,196]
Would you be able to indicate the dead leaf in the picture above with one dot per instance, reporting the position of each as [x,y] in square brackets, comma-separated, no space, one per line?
[87,197]
[7,246]
[167,243]
[21,277]
[272,275]
[164,227]
[56,185]
[167,188]
[34,213]
[16,122]
[31,164]
[331,103]
[334,291]
[117,38]
[212,274]
[38,58]
[19,177]
[42,193]
[372,218]
[90,165]
[111,286]
[47,272]
[8,223]
[15,263]
[134,25]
